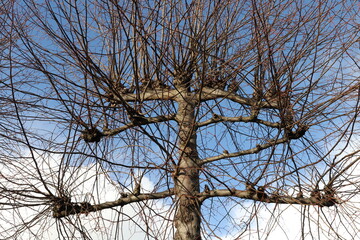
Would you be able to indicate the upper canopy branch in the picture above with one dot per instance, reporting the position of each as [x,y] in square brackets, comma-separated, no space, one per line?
[204,95]
[252,118]
[211,94]
[95,135]
[139,120]
[259,147]
[150,94]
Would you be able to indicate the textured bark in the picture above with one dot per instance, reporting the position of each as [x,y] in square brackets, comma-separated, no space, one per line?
[186,177]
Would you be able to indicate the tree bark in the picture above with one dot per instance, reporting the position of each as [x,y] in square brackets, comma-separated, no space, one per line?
[186,177]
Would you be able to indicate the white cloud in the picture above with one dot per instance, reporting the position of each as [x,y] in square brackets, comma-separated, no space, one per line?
[88,183]
[274,222]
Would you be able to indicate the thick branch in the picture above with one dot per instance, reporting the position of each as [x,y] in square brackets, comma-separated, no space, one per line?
[205,95]
[60,211]
[137,122]
[211,94]
[217,118]
[155,94]
[324,201]
[258,148]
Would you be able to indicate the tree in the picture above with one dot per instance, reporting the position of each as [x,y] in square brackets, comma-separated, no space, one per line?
[5,11]
[211,100]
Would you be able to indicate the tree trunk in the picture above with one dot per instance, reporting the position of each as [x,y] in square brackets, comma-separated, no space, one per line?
[186,177]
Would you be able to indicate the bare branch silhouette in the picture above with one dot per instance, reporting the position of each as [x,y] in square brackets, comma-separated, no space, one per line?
[166,116]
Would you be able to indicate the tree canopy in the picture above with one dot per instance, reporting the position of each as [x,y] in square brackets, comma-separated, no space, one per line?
[184,111]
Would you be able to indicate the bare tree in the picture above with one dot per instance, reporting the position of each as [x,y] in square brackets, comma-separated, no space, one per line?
[5,26]
[219,103]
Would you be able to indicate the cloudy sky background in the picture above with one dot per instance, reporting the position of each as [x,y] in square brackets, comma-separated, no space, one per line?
[283,222]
